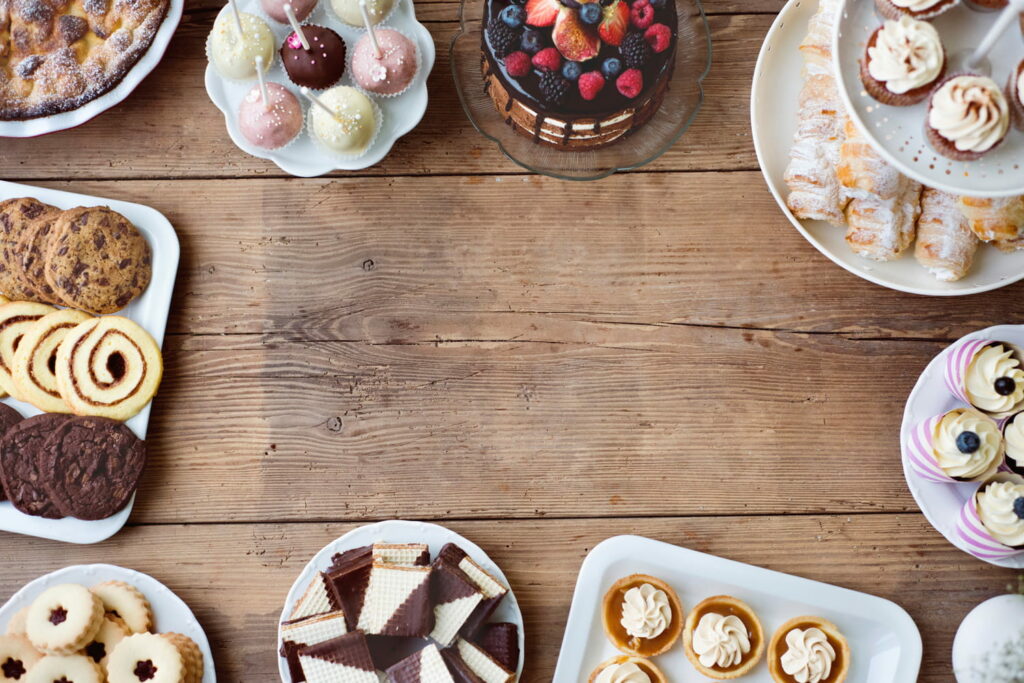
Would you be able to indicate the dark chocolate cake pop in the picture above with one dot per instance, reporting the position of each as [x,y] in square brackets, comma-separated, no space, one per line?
[319,67]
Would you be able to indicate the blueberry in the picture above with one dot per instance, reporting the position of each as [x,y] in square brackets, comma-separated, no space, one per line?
[532,42]
[611,67]
[657,4]
[571,71]
[1005,386]
[591,13]
[606,3]
[518,2]
[571,4]
[968,442]
[513,16]
[1018,507]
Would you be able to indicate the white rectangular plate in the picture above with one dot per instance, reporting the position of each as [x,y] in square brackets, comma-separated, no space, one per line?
[884,641]
[149,310]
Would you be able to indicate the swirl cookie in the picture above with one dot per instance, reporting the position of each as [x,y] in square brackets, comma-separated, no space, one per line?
[36,356]
[64,619]
[15,217]
[91,466]
[112,632]
[109,367]
[126,602]
[97,260]
[65,669]
[16,318]
[17,657]
[148,657]
[22,480]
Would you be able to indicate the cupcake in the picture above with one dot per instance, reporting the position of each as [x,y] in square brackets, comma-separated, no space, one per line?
[988,375]
[968,116]
[319,67]
[270,125]
[915,9]
[348,11]
[1015,91]
[642,615]
[275,9]
[352,128]
[723,638]
[808,649]
[991,523]
[234,55]
[1013,441]
[987,5]
[624,669]
[903,62]
[961,445]
[390,72]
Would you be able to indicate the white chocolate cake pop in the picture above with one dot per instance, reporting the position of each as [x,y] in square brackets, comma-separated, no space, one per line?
[234,55]
[390,71]
[343,120]
[348,11]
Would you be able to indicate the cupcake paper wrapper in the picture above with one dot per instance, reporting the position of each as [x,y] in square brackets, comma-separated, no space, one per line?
[378,117]
[957,362]
[976,538]
[369,93]
[303,107]
[252,79]
[920,453]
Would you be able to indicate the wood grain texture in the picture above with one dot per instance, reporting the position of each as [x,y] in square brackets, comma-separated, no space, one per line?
[235,577]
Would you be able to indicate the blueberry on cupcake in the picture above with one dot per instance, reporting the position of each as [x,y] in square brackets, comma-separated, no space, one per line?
[903,62]
[915,9]
[968,117]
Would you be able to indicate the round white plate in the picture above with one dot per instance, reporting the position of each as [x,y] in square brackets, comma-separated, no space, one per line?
[31,128]
[304,157]
[401,531]
[898,132]
[170,613]
[773,112]
[941,503]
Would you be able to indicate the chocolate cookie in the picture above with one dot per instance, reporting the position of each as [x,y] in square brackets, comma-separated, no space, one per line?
[97,260]
[8,418]
[31,249]
[19,471]
[15,217]
[92,466]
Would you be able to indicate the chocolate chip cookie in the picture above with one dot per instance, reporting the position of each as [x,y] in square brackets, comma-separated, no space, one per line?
[29,257]
[97,260]
[91,466]
[15,217]
[20,474]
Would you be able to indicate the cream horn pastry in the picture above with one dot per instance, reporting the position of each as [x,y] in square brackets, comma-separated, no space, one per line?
[945,243]
[996,220]
[16,319]
[108,367]
[36,356]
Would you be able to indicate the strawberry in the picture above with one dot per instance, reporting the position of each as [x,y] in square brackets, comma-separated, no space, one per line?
[615,23]
[575,40]
[542,12]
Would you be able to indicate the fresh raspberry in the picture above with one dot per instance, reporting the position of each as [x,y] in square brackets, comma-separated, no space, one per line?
[659,37]
[641,14]
[630,83]
[591,84]
[517,64]
[548,59]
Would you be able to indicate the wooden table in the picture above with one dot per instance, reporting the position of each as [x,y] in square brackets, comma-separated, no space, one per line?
[537,364]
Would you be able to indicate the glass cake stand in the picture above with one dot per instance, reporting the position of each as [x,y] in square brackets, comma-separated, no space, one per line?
[682,102]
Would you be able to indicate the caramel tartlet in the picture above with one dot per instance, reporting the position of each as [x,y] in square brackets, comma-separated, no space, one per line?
[723,638]
[644,665]
[816,651]
[642,615]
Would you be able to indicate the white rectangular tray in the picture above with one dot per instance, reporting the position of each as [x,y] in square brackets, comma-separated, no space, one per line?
[149,310]
[884,641]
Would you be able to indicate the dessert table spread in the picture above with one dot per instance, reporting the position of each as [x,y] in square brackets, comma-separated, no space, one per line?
[536,364]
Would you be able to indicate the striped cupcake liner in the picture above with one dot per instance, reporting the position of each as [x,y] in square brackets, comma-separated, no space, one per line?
[975,537]
[920,453]
[1008,463]
[959,359]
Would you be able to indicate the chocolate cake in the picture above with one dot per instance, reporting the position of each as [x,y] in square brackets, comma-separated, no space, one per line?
[578,74]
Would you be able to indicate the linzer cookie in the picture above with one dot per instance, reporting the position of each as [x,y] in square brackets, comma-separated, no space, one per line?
[126,602]
[309,631]
[345,659]
[35,358]
[22,479]
[17,657]
[397,602]
[112,631]
[108,367]
[425,666]
[455,598]
[70,668]
[97,260]
[16,626]
[16,318]
[144,657]
[64,619]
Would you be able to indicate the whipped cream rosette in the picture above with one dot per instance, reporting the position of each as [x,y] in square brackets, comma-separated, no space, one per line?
[988,375]
[1013,441]
[959,445]
[991,522]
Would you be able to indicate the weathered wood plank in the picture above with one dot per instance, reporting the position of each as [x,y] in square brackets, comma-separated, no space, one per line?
[235,577]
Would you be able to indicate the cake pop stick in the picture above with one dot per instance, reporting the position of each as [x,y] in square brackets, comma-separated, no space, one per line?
[293,20]
[369,29]
[238,18]
[262,82]
[316,100]
[1012,11]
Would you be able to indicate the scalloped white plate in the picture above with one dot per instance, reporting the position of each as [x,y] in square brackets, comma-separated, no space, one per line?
[43,125]
[170,613]
[773,112]
[401,531]
[304,158]
[941,503]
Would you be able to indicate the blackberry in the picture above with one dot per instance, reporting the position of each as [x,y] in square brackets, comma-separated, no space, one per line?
[635,51]
[554,87]
[503,38]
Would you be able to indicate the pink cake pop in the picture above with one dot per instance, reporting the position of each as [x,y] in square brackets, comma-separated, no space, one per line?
[275,9]
[384,60]
[270,116]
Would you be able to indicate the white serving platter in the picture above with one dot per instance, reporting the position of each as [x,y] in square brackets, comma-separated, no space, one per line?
[401,531]
[70,119]
[149,310]
[773,111]
[898,132]
[884,641]
[170,613]
[304,157]
[941,503]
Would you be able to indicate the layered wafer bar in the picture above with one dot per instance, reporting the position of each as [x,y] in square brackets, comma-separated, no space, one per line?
[397,602]
[305,632]
[425,666]
[483,665]
[345,659]
[500,641]
[455,597]
[316,600]
[493,590]
[458,669]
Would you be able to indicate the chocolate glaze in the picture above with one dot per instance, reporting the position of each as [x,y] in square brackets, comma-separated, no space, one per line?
[501,641]
[349,649]
[319,67]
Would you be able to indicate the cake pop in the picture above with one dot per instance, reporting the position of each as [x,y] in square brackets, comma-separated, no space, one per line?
[270,116]
[348,10]
[236,40]
[313,56]
[275,9]
[384,61]
[343,120]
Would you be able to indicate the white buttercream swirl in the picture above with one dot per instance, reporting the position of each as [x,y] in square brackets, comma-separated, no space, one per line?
[1020,87]
[626,672]
[809,657]
[907,54]
[971,112]
[916,5]
[721,641]
[646,611]
[977,465]
[1013,437]
[996,510]
[989,365]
